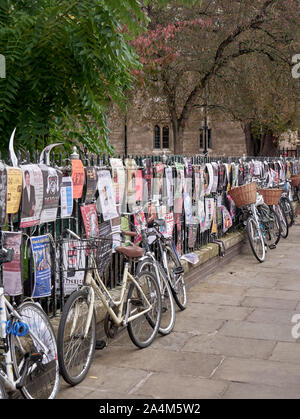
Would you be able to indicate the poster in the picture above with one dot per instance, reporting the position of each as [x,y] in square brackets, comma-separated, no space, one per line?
[107,195]
[73,265]
[148,175]
[115,224]
[119,181]
[169,186]
[158,182]
[188,208]
[12,271]
[91,184]
[66,197]
[14,189]
[32,195]
[51,180]
[90,220]
[167,229]
[178,233]
[178,191]
[209,212]
[192,232]
[42,266]
[131,167]
[139,224]
[3,187]
[77,178]
[227,221]
[139,185]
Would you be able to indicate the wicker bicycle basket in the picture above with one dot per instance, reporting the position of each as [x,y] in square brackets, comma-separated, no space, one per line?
[295,180]
[244,195]
[271,196]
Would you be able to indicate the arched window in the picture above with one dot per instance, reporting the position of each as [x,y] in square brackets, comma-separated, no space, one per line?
[165,137]
[156,137]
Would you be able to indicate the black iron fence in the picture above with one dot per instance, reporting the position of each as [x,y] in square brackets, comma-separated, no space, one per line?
[189,231]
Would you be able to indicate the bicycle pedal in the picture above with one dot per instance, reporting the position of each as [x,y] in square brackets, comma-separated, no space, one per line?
[272,246]
[36,357]
[178,270]
[100,344]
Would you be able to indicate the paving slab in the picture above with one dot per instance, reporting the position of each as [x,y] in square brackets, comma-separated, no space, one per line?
[259,391]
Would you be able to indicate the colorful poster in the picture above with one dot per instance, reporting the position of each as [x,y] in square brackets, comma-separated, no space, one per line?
[32,195]
[227,221]
[131,167]
[148,175]
[119,181]
[52,181]
[14,189]
[139,185]
[188,208]
[209,212]
[3,188]
[116,227]
[90,220]
[107,195]
[91,184]
[169,186]
[179,187]
[158,181]
[78,176]
[139,223]
[178,233]
[42,266]
[192,233]
[201,215]
[73,265]
[167,229]
[66,197]
[12,271]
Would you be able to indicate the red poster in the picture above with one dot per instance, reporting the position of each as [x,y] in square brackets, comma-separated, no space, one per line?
[139,185]
[90,220]
[77,178]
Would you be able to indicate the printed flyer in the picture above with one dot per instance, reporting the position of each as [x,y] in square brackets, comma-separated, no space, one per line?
[66,197]
[90,220]
[12,271]
[169,186]
[91,184]
[51,180]
[3,187]
[78,176]
[158,181]
[73,265]
[148,175]
[42,266]
[131,167]
[32,195]
[119,180]
[107,195]
[14,189]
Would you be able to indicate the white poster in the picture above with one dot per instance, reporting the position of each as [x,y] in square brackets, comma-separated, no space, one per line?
[107,195]
[32,195]
[66,197]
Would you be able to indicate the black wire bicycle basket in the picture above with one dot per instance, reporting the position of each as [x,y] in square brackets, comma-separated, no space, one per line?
[78,255]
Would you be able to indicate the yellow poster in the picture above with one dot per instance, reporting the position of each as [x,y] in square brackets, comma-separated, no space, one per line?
[14,190]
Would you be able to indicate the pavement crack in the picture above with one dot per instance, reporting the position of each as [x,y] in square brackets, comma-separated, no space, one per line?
[140,383]
[217,367]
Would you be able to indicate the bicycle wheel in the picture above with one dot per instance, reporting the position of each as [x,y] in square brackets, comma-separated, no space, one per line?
[3,394]
[286,205]
[75,350]
[271,224]
[168,314]
[42,378]
[256,239]
[176,273]
[283,222]
[274,226]
[143,329]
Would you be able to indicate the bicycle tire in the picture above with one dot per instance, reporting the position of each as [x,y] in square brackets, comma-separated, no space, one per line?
[151,320]
[283,222]
[271,223]
[41,382]
[276,226]
[168,315]
[177,283]
[287,207]
[255,237]
[76,352]
[3,393]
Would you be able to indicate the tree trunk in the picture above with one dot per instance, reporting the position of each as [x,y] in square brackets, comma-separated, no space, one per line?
[269,144]
[178,132]
[265,145]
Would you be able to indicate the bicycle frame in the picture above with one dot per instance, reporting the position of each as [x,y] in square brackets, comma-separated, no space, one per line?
[5,308]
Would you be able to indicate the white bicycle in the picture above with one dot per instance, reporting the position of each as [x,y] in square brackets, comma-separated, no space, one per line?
[27,346]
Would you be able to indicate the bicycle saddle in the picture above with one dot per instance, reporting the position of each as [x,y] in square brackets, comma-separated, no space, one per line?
[131,252]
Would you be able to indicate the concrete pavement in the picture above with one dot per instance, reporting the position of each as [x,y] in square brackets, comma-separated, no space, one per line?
[233,341]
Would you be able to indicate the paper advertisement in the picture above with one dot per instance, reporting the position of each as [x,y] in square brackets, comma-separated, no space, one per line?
[42,266]
[66,197]
[3,187]
[32,195]
[51,180]
[78,176]
[12,271]
[73,265]
[14,189]
[131,167]
[106,195]
[119,180]
[90,220]
[91,184]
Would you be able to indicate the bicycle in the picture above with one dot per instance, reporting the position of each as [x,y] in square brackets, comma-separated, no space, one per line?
[138,308]
[149,263]
[170,265]
[29,347]
[286,205]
